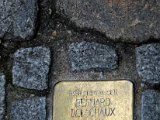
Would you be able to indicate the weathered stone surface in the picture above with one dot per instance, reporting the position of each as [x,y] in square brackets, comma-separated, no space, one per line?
[2,96]
[29,109]
[151,105]
[31,67]
[18,18]
[148,62]
[86,56]
[131,20]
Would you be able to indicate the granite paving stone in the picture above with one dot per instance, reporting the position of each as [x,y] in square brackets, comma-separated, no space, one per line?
[31,67]
[148,62]
[88,56]
[2,96]
[18,18]
[150,105]
[29,109]
[131,20]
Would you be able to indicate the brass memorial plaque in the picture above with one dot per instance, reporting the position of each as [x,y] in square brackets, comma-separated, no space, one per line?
[108,100]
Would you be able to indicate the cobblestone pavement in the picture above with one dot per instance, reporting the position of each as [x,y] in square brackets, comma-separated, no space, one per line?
[47,41]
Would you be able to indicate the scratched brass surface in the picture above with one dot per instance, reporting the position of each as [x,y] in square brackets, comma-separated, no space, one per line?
[109,100]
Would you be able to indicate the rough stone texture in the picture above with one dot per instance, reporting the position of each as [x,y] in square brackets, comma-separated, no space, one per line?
[29,109]
[150,105]
[18,18]
[148,62]
[86,56]
[2,96]
[31,67]
[131,20]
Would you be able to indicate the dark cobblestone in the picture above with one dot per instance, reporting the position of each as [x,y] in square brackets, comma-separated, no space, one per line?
[18,18]
[2,96]
[29,109]
[150,105]
[86,56]
[148,62]
[133,21]
[31,67]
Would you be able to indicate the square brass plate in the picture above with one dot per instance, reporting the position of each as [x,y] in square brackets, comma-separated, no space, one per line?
[103,100]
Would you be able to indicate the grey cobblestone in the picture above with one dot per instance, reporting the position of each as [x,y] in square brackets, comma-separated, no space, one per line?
[2,96]
[29,109]
[148,62]
[18,18]
[133,21]
[31,67]
[150,105]
[86,56]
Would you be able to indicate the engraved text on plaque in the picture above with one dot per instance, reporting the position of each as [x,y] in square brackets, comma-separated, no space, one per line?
[108,100]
